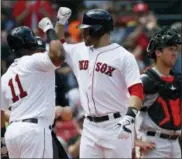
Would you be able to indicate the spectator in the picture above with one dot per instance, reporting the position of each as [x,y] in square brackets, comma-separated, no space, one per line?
[118,34]
[73,31]
[29,13]
[178,66]
[139,38]
[6,22]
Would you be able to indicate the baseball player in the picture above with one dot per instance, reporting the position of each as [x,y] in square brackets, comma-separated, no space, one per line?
[109,84]
[159,120]
[28,87]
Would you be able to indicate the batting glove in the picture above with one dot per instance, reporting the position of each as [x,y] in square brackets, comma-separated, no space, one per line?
[63,15]
[45,24]
[126,126]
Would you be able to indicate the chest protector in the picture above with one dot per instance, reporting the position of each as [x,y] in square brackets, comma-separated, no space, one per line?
[165,111]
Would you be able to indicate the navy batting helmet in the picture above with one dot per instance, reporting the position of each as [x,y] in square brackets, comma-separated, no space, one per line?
[41,43]
[21,38]
[98,21]
[163,38]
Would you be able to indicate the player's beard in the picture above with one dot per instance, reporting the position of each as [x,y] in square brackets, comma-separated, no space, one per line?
[88,41]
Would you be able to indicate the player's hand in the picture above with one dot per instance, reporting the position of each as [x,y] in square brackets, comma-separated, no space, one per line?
[126,126]
[64,112]
[145,145]
[63,15]
[45,24]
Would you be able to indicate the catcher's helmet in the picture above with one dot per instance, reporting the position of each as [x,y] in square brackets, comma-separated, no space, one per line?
[21,38]
[163,38]
[98,21]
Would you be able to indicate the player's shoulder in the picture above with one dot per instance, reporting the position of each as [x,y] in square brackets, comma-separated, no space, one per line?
[12,67]
[3,77]
[148,83]
[124,53]
[22,63]
[144,76]
[6,76]
[75,46]
[32,58]
[120,51]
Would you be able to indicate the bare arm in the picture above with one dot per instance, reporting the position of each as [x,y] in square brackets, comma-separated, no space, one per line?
[59,30]
[132,37]
[137,51]
[7,115]
[56,51]
[2,119]
[135,102]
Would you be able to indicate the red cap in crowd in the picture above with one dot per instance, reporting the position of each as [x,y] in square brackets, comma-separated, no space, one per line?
[140,7]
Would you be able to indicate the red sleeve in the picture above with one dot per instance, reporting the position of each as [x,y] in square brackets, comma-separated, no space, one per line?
[48,8]
[18,8]
[142,41]
[136,90]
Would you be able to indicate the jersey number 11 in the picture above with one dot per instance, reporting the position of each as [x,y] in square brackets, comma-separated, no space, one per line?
[22,92]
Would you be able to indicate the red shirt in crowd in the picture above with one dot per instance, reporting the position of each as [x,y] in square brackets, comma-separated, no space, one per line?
[36,9]
[142,41]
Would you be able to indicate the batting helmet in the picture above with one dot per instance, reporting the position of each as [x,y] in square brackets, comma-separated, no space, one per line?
[41,43]
[21,38]
[98,21]
[163,38]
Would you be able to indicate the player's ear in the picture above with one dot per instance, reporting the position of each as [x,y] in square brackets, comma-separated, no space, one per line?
[158,53]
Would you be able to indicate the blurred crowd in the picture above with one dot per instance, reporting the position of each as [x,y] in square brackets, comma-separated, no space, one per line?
[134,24]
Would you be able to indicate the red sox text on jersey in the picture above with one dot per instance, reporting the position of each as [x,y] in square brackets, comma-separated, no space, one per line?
[100,67]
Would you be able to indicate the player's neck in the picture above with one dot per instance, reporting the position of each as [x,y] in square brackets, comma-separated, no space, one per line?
[103,41]
[163,69]
[29,52]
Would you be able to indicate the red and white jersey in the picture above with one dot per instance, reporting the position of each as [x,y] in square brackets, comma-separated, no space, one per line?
[104,76]
[28,87]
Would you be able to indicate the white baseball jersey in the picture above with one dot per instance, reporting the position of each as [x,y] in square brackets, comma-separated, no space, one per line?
[104,76]
[28,87]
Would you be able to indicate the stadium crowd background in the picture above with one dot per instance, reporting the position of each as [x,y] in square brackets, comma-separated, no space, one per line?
[134,21]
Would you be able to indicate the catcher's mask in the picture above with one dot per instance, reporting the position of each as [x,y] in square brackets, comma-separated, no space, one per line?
[163,38]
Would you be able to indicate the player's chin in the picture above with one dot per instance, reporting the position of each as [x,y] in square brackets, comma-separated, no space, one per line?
[172,63]
[87,43]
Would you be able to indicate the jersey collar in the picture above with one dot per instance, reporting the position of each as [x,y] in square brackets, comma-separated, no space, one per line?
[105,48]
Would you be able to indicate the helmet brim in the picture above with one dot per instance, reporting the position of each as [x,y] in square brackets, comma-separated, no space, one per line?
[83,26]
[179,42]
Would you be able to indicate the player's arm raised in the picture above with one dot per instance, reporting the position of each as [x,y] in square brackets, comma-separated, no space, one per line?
[63,15]
[56,51]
